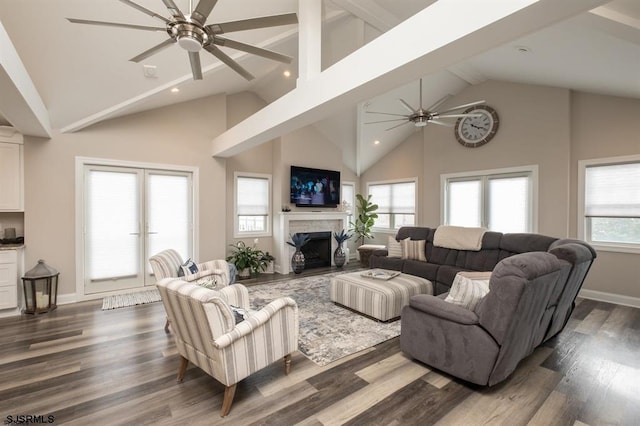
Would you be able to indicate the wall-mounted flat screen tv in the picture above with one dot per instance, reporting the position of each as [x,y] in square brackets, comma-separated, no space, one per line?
[314,187]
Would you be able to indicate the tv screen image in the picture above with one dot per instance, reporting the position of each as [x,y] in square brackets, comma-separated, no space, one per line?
[314,187]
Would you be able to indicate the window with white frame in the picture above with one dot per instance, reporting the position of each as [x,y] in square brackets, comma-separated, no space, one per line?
[252,204]
[610,207]
[499,200]
[348,194]
[396,203]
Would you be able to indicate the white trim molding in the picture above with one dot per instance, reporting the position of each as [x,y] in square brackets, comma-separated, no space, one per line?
[616,299]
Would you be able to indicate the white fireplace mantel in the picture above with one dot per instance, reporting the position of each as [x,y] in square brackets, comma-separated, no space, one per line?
[292,222]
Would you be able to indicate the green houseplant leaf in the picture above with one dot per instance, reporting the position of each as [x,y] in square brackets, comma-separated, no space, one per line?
[365,218]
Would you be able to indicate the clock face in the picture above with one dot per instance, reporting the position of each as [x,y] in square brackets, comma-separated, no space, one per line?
[477,130]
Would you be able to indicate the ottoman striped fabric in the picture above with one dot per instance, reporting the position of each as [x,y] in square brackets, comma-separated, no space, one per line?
[377,298]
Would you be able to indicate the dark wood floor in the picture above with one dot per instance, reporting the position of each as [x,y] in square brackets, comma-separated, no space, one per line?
[83,366]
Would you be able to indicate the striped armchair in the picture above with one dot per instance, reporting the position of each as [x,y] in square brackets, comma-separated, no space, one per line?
[206,332]
[213,274]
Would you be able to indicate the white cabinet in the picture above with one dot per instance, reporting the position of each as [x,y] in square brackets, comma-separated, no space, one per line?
[8,279]
[11,170]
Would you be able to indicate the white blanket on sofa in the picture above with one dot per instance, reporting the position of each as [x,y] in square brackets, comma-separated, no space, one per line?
[459,238]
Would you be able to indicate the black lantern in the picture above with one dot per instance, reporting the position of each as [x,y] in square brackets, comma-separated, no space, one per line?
[40,289]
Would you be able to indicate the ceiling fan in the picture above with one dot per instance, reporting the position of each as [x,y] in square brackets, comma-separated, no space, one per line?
[192,33]
[420,117]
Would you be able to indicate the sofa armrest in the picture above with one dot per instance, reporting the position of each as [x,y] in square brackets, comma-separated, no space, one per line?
[278,312]
[437,307]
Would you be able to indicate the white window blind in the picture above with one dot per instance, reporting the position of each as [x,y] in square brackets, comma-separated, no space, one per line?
[396,204]
[509,204]
[113,224]
[252,205]
[613,191]
[348,195]
[465,201]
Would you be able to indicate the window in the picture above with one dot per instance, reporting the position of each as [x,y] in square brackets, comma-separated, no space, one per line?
[252,196]
[349,195]
[611,202]
[499,200]
[396,203]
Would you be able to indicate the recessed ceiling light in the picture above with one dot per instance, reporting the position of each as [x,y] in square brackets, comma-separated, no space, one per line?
[376,142]
[287,73]
[175,90]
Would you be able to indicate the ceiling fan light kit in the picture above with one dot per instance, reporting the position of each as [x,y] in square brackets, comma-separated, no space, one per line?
[192,34]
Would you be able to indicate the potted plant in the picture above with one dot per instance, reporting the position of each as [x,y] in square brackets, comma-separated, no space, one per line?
[339,256]
[298,240]
[248,260]
[365,219]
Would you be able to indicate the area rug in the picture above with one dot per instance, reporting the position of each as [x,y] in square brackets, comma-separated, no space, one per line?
[130,299]
[327,332]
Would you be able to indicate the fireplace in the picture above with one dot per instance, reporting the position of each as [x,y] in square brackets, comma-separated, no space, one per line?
[317,252]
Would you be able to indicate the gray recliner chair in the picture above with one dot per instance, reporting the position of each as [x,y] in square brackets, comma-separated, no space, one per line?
[485,346]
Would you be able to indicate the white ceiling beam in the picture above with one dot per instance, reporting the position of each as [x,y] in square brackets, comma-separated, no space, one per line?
[370,12]
[392,59]
[309,39]
[20,102]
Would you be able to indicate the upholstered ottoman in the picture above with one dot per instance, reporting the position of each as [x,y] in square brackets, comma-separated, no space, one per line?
[377,298]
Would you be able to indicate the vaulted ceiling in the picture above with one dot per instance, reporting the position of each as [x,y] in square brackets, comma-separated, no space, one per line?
[81,74]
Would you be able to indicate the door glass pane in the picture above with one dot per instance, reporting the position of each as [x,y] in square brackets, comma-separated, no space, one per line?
[463,207]
[509,204]
[112,236]
[169,213]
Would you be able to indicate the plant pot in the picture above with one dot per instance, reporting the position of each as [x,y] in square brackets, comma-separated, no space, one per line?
[339,256]
[244,274]
[297,262]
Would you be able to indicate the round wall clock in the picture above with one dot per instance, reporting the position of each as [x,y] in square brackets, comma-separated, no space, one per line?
[477,130]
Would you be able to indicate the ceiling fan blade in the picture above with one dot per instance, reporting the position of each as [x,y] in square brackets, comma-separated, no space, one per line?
[173,8]
[408,107]
[386,121]
[269,54]
[253,23]
[441,123]
[462,106]
[438,103]
[401,124]
[196,69]
[145,10]
[387,113]
[202,10]
[456,115]
[155,49]
[230,62]
[115,24]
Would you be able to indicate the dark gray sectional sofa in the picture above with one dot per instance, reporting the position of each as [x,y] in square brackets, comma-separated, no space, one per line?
[535,280]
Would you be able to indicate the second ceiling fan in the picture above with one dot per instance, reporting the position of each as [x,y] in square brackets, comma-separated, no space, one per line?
[420,116]
[192,33]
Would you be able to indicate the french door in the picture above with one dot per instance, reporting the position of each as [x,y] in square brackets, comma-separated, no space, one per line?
[129,215]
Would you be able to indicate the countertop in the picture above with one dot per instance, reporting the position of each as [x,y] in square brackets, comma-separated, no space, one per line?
[11,246]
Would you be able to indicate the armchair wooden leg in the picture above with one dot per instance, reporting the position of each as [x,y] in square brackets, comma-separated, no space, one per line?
[183,368]
[229,393]
[166,325]
[287,364]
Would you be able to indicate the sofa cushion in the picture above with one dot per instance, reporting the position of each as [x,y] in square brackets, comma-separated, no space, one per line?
[394,247]
[468,289]
[413,249]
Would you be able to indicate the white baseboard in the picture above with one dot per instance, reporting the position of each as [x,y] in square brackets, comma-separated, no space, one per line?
[65,299]
[617,299]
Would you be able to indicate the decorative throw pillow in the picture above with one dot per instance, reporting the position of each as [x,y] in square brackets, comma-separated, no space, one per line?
[394,247]
[207,282]
[468,289]
[413,249]
[239,314]
[189,267]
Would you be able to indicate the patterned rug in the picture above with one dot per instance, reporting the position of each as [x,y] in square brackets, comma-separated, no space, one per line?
[327,332]
[130,299]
